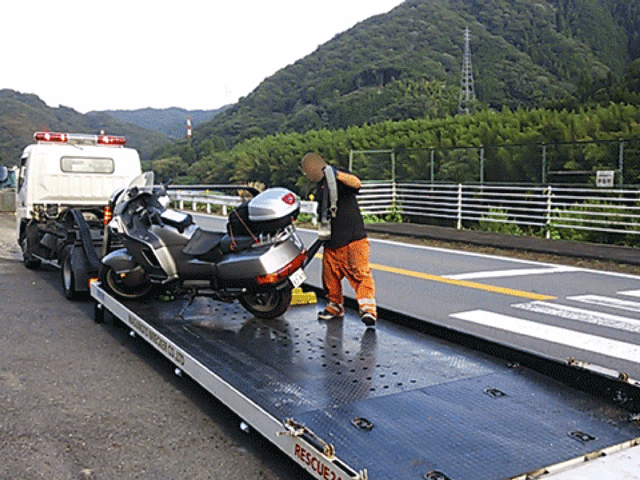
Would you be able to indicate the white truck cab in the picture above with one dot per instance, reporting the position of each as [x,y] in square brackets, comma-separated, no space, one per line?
[64,184]
[65,170]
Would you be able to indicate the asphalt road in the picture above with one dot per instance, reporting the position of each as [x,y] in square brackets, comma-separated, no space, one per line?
[84,401]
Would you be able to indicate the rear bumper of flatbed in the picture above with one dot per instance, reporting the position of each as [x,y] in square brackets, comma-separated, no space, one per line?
[388,403]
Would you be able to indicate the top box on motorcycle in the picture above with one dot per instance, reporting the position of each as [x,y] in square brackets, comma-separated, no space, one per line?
[267,212]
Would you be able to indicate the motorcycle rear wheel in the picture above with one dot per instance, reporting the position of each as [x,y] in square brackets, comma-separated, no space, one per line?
[111,283]
[267,305]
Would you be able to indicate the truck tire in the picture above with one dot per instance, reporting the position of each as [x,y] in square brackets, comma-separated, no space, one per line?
[267,305]
[29,260]
[111,283]
[68,277]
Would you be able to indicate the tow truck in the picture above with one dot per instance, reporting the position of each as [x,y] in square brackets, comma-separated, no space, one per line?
[406,400]
[64,184]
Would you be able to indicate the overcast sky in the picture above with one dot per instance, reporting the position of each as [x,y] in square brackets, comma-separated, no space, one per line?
[129,54]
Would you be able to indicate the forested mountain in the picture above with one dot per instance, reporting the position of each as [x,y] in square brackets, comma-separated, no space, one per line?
[23,114]
[407,64]
[172,122]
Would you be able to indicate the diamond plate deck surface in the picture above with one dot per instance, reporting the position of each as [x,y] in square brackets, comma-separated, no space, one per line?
[434,406]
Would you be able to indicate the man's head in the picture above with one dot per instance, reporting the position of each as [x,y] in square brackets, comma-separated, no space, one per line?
[312,166]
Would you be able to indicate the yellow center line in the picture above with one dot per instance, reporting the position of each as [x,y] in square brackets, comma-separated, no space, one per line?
[462,283]
[459,283]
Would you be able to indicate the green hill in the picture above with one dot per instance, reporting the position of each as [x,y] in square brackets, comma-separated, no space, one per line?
[407,63]
[23,114]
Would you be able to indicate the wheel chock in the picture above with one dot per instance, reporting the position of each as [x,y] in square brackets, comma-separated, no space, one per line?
[298,297]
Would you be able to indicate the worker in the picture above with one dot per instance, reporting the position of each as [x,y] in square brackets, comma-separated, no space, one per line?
[346,247]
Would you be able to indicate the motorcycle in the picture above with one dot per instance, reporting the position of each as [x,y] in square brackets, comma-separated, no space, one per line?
[258,260]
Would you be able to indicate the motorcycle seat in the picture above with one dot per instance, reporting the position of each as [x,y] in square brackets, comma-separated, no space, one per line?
[203,242]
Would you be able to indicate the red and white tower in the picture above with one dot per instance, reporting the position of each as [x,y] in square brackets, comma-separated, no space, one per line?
[188,126]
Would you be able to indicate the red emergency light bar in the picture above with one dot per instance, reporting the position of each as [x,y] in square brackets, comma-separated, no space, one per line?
[50,137]
[111,140]
[74,138]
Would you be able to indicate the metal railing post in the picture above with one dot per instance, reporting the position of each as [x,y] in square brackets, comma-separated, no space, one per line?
[621,165]
[459,224]
[548,221]
[433,156]
[544,164]
[393,167]
[481,165]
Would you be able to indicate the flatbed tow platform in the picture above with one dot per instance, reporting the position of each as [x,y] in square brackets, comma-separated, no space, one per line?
[345,401]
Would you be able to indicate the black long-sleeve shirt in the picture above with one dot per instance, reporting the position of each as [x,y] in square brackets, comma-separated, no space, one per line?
[347,226]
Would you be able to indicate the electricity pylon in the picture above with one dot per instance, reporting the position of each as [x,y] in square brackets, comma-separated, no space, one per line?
[467,90]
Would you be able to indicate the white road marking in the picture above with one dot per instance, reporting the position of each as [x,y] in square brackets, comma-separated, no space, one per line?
[607,302]
[561,336]
[631,293]
[580,315]
[511,273]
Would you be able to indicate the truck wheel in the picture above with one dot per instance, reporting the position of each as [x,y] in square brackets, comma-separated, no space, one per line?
[68,278]
[267,305]
[29,260]
[111,282]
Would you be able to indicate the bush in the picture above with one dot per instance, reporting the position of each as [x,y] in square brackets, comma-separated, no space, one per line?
[497,221]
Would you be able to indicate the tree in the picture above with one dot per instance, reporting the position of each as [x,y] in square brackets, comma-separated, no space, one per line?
[169,168]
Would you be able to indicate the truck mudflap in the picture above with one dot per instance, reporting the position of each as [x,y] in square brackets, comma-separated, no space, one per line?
[348,402]
[84,232]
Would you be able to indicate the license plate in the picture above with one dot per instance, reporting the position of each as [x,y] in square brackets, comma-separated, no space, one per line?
[297,278]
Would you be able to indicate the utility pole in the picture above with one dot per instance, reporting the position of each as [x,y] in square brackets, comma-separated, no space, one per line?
[467,90]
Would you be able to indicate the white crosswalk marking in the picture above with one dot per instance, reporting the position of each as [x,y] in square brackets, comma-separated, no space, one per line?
[518,272]
[631,293]
[607,302]
[580,315]
[561,336]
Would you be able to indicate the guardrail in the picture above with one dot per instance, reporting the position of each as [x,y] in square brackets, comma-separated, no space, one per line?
[226,201]
[550,208]
[590,209]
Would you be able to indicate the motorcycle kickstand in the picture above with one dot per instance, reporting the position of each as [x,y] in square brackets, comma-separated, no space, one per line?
[188,303]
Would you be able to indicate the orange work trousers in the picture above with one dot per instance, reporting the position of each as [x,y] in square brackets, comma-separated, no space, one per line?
[350,261]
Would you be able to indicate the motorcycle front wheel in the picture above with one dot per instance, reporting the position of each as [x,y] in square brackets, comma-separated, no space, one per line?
[267,305]
[113,283]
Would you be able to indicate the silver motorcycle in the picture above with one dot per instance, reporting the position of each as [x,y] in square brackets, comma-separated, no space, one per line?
[258,260]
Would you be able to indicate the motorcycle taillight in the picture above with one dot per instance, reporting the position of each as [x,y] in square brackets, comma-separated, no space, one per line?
[284,272]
